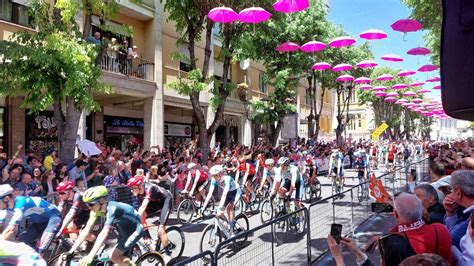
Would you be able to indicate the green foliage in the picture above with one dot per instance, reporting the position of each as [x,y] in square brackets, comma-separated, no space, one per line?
[190,84]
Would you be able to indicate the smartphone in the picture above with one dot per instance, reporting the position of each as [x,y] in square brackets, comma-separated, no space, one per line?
[336,231]
[381,207]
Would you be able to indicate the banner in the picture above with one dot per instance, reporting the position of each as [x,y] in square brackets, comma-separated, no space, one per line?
[378,131]
[377,190]
[178,130]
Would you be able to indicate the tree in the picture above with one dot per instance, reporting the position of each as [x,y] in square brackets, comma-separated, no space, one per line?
[54,66]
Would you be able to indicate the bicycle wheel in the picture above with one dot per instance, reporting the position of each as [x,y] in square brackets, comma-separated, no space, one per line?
[241,225]
[308,193]
[317,189]
[211,237]
[300,223]
[280,229]
[253,203]
[136,252]
[239,207]
[210,208]
[266,211]
[176,240]
[151,258]
[186,210]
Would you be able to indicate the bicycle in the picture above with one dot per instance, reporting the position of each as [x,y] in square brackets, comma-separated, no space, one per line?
[61,244]
[251,204]
[337,184]
[176,240]
[282,227]
[190,207]
[312,189]
[362,190]
[219,228]
[268,210]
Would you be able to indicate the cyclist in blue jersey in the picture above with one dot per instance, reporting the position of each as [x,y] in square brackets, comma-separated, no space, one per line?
[13,253]
[268,174]
[288,180]
[43,220]
[230,195]
[119,215]
[5,213]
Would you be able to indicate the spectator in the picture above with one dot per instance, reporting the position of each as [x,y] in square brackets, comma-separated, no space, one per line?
[62,174]
[433,210]
[49,160]
[37,175]
[77,172]
[123,173]
[424,259]
[436,172]
[27,187]
[96,39]
[112,52]
[49,184]
[112,181]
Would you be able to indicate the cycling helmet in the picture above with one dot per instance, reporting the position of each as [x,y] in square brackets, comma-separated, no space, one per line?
[269,161]
[216,169]
[5,190]
[191,166]
[284,161]
[63,186]
[135,181]
[93,194]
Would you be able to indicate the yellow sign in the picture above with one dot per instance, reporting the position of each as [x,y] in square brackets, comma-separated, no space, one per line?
[379,131]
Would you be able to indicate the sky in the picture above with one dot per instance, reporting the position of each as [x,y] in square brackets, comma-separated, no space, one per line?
[357,16]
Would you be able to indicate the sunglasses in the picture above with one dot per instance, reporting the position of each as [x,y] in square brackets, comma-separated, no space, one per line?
[91,204]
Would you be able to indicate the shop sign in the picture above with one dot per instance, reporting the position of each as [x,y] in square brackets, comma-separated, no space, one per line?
[178,130]
[41,131]
[123,122]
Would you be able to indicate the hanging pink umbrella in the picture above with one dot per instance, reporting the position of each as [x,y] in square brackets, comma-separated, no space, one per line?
[342,67]
[435,79]
[288,47]
[379,88]
[406,25]
[438,87]
[385,77]
[222,14]
[254,15]
[380,94]
[321,66]
[409,94]
[406,104]
[427,68]
[373,34]
[392,94]
[342,42]
[419,51]
[290,6]
[392,58]
[399,86]
[362,80]
[365,87]
[313,46]
[417,84]
[345,78]
[367,64]
[406,73]
[424,91]
[390,99]
[401,101]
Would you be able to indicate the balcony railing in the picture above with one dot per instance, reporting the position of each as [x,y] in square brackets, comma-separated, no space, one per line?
[133,67]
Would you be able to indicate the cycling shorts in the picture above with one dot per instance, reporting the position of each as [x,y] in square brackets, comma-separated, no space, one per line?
[230,197]
[299,190]
[41,235]
[129,237]
[202,184]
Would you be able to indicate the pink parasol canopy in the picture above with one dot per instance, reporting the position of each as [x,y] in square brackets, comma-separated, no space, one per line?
[341,67]
[409,94]
[427,68]
[390,99]
[423,91]
[373,34]
[406,104]
[288,47]
[438,87]
[417,100]
[321,66]
[406,25]
[362,80]
[222,14]
[392,94]
[406,73]
[313,46]
[401,101]
[345,78]
[365,87]
[417,84]
[254,15]
[342,42]
[419,51]
[379,88]
[380,94]
[385,77]
[435,79]
[290,6]
[399,86]
[392,58]
[367,64]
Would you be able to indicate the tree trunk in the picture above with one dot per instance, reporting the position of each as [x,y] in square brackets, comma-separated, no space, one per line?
[276,132]
[67,125]
[311,114]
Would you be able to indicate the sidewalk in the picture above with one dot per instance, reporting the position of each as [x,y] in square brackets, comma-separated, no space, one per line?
[374,226]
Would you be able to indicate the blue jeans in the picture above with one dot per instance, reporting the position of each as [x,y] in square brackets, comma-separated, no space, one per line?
[40,235]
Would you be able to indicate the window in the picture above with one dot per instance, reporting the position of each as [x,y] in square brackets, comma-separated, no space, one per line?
[353,97]
[359,121]
[15,12]
[184,65]
[262,85]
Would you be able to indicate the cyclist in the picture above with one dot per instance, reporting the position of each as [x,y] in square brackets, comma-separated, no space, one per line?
[119,215]
[200,181]
[248,172]
[230,195]
[288,180]
[42,217]
[5,213]
[153,199]
[268,174]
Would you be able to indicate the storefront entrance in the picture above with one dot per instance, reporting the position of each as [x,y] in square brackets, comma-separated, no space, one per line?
[123,132]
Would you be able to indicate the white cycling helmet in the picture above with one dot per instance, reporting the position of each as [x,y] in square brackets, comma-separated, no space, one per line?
[284,161]
[5,190]
[269,161]
[191,166]
[216,169]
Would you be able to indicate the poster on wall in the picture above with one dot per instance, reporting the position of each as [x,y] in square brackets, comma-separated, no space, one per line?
[41,132]
[178,130]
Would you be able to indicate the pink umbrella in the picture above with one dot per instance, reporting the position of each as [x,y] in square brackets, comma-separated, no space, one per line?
[406,104]
[341,67]
[379,88]
[435,79]
[367,64]
[380,94]
[384,77]
[406,73]
[401,101]
[406,25]
[362,80]
[222,14]
[321,66]
[254,15]
[342,42]
[427,68]
[365,87]
[409,94]
[417,84]
[424,91]
[288,47]
[417,100]
[438,87]
[392,94]
[313,46]
[399,86]
[290,6]
[419,51]
[345,78]
[392,58]
[373,34]
[390,99]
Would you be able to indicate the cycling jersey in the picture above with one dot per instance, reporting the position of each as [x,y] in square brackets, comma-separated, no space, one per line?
[288,178]
[247,166]
[225,182]
[269,175]
[159,199]
[5,216]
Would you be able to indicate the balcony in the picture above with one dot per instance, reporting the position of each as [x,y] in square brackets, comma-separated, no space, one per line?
[143,11]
